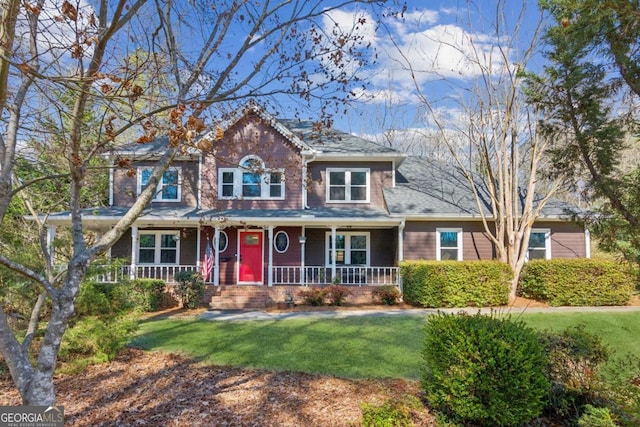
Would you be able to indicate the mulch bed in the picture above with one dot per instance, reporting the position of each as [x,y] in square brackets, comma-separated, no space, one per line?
[157,389]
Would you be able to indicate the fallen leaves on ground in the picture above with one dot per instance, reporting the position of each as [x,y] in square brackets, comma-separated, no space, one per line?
[142,388]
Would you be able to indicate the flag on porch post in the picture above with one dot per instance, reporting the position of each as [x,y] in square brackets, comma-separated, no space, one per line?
[207,262]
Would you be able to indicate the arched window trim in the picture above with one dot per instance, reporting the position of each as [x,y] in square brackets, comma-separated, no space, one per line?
[237,183]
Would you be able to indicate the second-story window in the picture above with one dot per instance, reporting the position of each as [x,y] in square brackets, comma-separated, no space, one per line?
[168,189]
[347,185]
[251,180]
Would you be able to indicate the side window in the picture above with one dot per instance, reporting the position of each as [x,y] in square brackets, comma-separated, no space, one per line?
[539,244]
[348,185]
[168,189]
[449,244]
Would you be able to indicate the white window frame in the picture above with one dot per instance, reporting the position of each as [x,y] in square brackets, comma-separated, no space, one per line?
[226,239]
[547,242]
[158,246]
[265,182]
[347,246]
[439,231]
[347,185]
[157,197]
[275,239]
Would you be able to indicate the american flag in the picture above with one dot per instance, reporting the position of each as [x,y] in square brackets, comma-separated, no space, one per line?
[207,262]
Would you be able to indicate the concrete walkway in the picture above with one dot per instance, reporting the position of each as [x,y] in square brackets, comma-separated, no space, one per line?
[230,315]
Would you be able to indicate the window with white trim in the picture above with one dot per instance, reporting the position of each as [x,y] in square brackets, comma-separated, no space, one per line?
[168,189]
[352,248]
[158,247]
[449,244]
[252,180]
[539,244]
[281,242]
[348,185]
[223,241]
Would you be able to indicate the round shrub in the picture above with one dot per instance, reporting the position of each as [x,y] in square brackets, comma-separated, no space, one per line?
[387,294]
[483,370]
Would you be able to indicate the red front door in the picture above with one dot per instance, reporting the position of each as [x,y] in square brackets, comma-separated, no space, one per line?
[250,265]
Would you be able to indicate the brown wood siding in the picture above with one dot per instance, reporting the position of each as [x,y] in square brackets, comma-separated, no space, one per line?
[188,244]
[420,240]
[252,137]
[125,187]
[122,248]
[381,176]
[567,239]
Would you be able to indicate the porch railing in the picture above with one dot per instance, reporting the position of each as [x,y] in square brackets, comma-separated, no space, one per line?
[282,275]
[345,275]
[115,274]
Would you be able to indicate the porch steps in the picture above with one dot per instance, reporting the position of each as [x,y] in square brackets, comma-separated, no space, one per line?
[239,298]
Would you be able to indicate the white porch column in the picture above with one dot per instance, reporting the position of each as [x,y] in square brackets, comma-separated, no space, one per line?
[270,263]
[216,256]
[334,253]
[587,243]
[134,251]
[51,235]
[198,242]
[303,272]
[401,242]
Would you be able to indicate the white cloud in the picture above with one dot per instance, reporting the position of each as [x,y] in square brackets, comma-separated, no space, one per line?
[358,23]
[61,33]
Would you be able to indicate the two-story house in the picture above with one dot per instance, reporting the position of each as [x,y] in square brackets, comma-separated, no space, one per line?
[284,204]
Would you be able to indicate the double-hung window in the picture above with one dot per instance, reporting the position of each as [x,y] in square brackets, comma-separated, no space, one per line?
[168,189]
[158,247]
[449,244]
[539,244]
[351,248]
[348,185]
[251,181]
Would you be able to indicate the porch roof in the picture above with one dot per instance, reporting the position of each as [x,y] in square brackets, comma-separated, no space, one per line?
[180,217]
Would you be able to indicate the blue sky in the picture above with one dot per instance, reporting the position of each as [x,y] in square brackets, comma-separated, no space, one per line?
[437,40]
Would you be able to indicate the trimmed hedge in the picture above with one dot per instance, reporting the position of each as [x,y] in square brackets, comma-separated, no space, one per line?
[456,283]
[576,282]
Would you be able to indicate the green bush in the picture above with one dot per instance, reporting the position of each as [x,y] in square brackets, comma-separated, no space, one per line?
[337,294]
[387,294]
[313,296]
[483,370]
[95,340]
[575,357]
[456,283]
[102,299]
[596,417]
[190,288]
[392,413]
[577,282]
[147,293]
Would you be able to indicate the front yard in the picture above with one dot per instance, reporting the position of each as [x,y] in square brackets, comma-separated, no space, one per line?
[273,373]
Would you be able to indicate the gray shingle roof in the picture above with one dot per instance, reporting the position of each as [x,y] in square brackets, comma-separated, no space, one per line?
[329,140]
[426,187]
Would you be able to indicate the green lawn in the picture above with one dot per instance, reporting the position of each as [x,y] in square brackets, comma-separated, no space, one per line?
[360,347]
